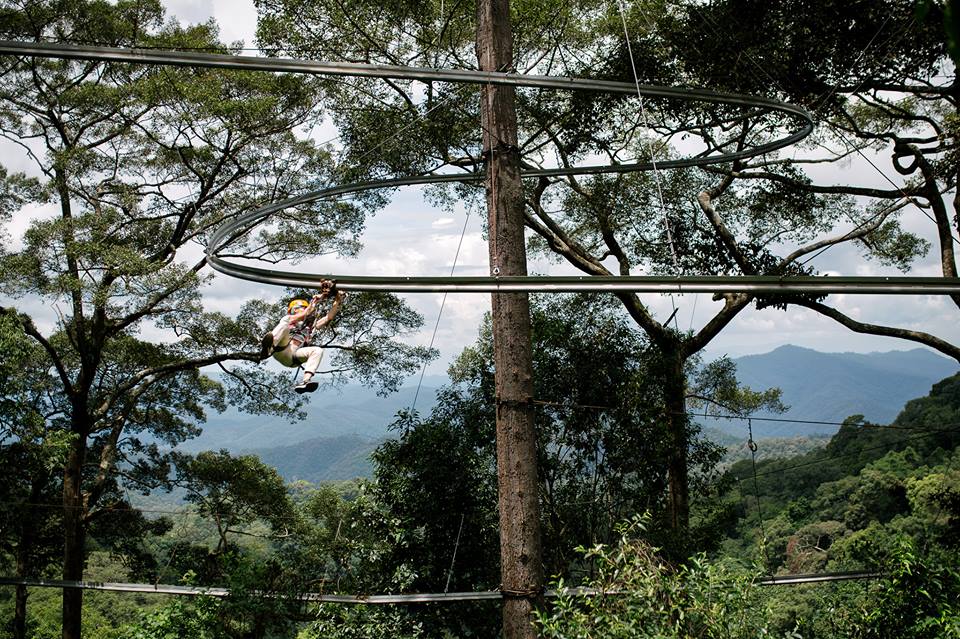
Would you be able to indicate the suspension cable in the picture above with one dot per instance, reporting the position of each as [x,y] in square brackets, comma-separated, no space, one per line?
[443,302]
[752,445]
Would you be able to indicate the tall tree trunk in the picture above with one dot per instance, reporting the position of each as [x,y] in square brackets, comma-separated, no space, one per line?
[25,541]
[74,534]
[520,551]
[679,436]
[20,613]
[23,571]
[74,510]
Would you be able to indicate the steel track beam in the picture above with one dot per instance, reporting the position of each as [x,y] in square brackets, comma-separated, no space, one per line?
[683,284]
[580,284]
[391,599]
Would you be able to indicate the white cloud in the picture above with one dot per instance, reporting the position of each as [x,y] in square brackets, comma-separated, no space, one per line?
[237,19]
[400,262]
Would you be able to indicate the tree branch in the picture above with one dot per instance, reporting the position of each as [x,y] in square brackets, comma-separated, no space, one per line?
[30,329]
[886,331]
[859,231]
[705,200]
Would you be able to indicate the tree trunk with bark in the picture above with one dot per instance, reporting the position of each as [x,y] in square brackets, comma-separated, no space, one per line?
[675,394]
[74,537]
[20,611]
[25,548]
[520,551]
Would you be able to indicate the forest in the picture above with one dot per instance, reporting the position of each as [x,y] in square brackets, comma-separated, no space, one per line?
[115,345]
[876,498]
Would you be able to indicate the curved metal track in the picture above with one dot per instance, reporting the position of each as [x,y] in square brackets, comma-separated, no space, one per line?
[689,284]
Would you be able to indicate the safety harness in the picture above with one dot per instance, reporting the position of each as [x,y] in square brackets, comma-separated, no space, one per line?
[304,333]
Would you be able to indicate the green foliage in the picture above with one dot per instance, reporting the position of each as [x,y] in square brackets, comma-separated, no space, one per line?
[878,499]
[937,497]
[374,356]
[714,388]
[804,48]
[439,480]
[364,622]
[429,522]
[917,599]
[642,596]
[601,445]
[865,472]
[951,22]
[182,617]
[361,545]
[106,615]
[234,492]
[851,522]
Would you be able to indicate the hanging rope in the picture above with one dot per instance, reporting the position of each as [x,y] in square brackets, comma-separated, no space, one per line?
[752,445]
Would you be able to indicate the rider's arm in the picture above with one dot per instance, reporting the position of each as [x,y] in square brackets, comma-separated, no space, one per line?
[334,309]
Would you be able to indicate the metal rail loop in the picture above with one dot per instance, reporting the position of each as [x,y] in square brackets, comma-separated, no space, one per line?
[463,76]
[233,229]
[236,227]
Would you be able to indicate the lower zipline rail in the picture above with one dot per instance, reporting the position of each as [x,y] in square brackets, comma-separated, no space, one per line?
[194,591]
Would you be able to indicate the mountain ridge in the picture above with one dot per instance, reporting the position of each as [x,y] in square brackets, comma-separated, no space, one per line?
[829,387]
[347,424]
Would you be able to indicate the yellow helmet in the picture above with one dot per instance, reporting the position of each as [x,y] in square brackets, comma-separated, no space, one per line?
[297,305]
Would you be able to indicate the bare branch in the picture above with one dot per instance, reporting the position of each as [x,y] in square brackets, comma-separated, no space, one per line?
[861,230]
[886,331]
[705,200]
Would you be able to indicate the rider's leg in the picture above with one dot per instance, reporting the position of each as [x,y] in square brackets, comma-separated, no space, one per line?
[278,338]
[310,357]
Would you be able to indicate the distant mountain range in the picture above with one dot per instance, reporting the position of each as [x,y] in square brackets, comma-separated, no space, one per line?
[345,425]
[346,411]
[829,387]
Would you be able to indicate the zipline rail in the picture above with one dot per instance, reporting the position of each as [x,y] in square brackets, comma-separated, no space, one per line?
[239,226]
[396,599]
[588,283]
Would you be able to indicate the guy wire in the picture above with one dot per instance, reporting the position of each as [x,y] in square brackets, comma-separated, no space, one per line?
[440,313]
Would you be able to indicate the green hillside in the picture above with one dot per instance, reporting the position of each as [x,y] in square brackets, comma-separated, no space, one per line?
[322,458]
[868,485]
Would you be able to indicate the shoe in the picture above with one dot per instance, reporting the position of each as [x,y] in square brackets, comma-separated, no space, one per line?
[266,345]
[306,387]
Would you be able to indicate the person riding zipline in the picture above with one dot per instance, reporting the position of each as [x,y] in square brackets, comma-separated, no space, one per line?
[289,341]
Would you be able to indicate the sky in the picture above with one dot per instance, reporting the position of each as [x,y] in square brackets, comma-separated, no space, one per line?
[412,238]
